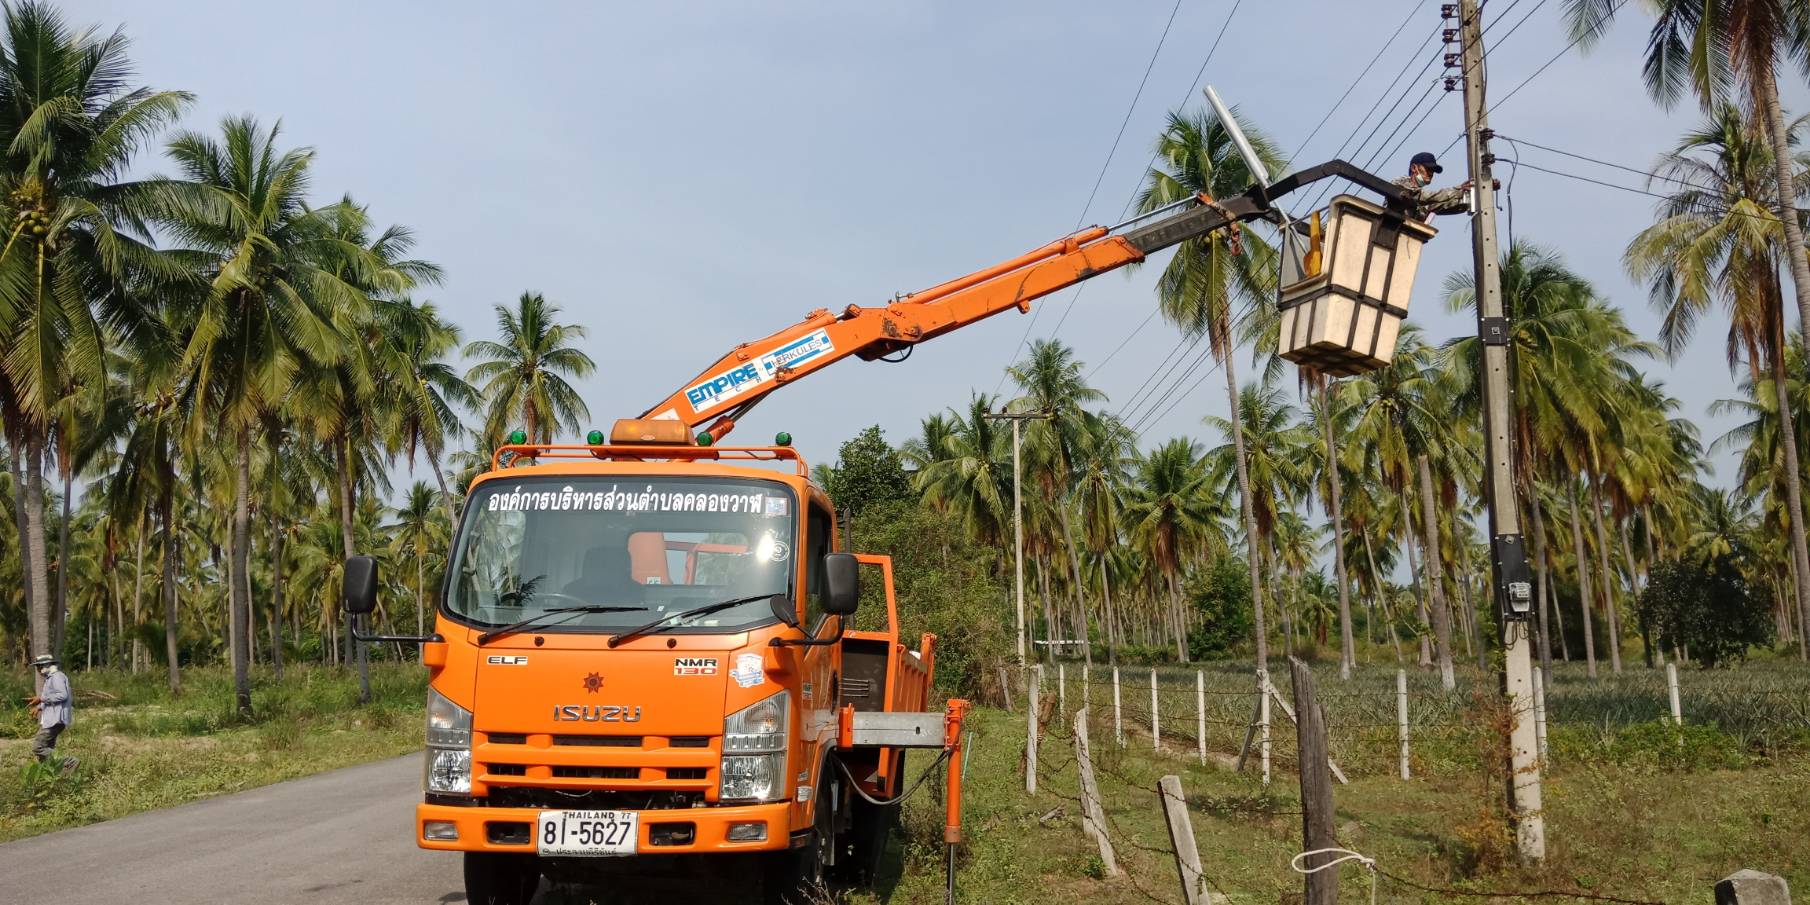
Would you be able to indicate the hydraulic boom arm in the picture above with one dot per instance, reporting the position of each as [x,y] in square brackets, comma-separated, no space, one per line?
[734,383]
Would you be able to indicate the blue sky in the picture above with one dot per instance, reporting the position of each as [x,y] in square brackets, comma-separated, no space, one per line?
[681,178]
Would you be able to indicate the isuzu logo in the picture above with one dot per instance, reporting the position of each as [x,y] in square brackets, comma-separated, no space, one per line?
[593,682]
[595,713]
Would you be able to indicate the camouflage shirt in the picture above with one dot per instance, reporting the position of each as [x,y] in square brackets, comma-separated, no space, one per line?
[1427,202]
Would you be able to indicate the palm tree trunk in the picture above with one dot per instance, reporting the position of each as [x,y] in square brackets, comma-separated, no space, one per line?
[1417,579]
[239,600]
[1584,597]
[1074,569]
[166,492]
[37,567]
[420,593]
[59,610]
[1253,552]
[1175,596]
[1112,612]
[1541,580]
[1434,570]
[22,526]
[1794,486]
[1602,557]
[446,499]
[276,596]
[138,584]
[342,450]
[1336,513]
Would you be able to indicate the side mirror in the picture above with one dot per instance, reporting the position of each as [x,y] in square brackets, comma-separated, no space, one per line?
[782,610]
[841,583]
[359,592]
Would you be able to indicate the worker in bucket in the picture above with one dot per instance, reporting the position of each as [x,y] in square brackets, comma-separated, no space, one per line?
[1421,170]
[52,705]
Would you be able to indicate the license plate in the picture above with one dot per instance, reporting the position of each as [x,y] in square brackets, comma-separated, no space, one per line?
[593,833]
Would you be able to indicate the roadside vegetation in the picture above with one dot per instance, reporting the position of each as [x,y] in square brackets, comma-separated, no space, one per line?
[140,748]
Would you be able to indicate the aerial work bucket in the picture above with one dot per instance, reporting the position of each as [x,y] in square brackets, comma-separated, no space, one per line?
[1342,299]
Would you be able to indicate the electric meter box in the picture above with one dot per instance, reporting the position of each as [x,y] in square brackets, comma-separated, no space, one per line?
[1343,316]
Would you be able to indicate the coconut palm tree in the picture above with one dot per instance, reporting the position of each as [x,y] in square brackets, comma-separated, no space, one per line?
[73,249]
[524,374]
[416,531]
[1208,278]
[1717,240]
[973,478]
[417,342]
[1170,515]
[279,278]
[1103,454]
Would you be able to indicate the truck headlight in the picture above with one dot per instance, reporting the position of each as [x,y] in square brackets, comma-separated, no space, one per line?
[754,751]
[448,764]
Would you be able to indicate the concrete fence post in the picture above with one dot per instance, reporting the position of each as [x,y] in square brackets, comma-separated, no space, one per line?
[1263,723]
[1093,817]
[1118,711]
[1181,839]
[1200,710]
[1401,717]
[1032,687]
[1671,687]
[1061,687]
[1539,710]
[1156,729]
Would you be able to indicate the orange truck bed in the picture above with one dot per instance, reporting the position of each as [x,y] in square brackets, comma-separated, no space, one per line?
[880,674]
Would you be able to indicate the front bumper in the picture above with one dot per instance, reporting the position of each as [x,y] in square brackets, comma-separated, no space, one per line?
[479,826]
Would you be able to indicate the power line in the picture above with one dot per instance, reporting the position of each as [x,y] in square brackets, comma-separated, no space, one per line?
[1104,166]
[1139,393]
[1122,343]
[1076,295]
[1543,67]
[1612,164]
[1354,83]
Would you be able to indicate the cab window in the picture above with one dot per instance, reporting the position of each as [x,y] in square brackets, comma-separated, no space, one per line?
[818,526]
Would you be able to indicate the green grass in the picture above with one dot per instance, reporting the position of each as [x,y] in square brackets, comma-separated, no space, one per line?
[141,749]
[1646,816]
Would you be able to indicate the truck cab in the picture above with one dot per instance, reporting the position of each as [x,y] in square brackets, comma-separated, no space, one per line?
[637,665]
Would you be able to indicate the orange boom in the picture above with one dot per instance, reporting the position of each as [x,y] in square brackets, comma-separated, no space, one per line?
[643,666]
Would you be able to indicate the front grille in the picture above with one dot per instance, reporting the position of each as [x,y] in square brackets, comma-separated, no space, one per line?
[690,741]
[506,738]
[687,772]
[507,769]
[599,741]
[593,800]
[597,772]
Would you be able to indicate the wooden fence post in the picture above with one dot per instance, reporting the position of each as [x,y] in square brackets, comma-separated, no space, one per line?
[1539,710]
[1337,773]
[1118,712]
[1093,818]
[1005,688]
[1401,717]
[1321,887]
[1200,709]
[1032,687]
[1181,838]
[1156,729]
[1671,687]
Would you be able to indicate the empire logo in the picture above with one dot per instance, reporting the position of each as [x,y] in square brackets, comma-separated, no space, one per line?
[694,666]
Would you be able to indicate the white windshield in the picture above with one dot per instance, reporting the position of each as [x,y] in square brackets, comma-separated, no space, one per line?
[650,547]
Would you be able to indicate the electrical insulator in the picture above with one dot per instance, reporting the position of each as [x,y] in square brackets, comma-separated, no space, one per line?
[1448,10]
[1450,36]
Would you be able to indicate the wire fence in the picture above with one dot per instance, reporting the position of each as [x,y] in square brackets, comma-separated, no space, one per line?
[1164,712]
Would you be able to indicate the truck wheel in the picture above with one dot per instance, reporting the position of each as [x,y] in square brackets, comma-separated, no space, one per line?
[493,878]
[795,877]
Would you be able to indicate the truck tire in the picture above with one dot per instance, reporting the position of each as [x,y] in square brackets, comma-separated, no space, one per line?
[492,878]
[796,876]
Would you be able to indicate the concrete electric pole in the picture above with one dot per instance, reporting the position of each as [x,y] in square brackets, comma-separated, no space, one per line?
[1018,418]
[1508,555]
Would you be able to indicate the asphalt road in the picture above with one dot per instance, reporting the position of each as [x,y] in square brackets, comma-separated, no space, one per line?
[339,837]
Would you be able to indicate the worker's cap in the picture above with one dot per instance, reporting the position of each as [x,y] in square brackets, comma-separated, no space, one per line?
[1426,159]
[42,660]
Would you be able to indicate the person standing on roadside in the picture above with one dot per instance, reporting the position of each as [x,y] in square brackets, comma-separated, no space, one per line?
[53,706]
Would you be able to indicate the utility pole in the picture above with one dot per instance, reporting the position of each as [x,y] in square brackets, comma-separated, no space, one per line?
[1018,418]
[1508,554]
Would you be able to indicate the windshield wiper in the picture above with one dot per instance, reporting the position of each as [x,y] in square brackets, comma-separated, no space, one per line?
[704,610]
[514,627]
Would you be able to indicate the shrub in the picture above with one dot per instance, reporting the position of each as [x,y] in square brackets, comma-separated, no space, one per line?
[1707,607]
[1220,596]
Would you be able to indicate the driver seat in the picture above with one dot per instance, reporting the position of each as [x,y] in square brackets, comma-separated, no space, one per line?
[604,578]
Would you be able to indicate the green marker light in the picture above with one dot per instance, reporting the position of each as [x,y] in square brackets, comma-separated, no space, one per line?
[783,438]
[595,438]
[704,438]
[518,437]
